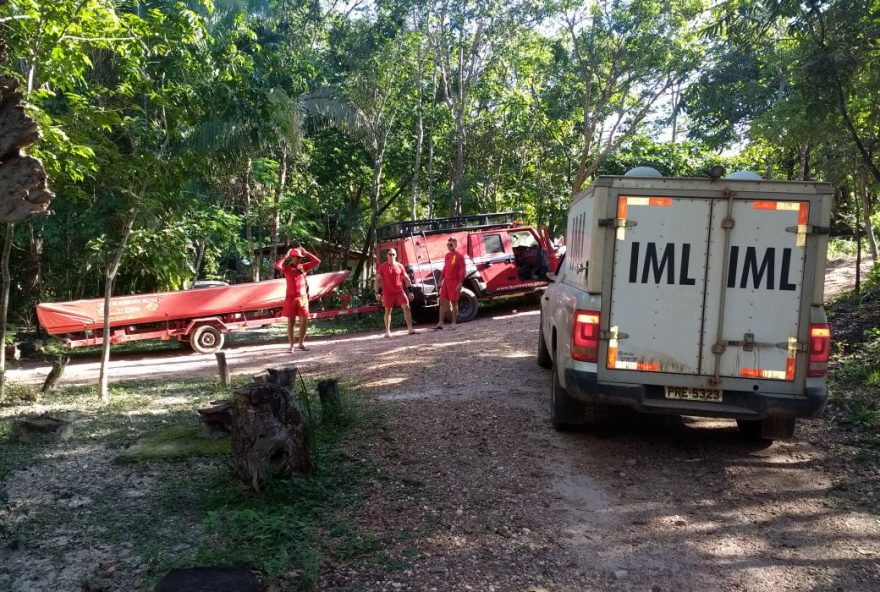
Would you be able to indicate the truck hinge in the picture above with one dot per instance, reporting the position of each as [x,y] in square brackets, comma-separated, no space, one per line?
[749,344]
[807,229]
[616,223]
[728,223]
[613,335]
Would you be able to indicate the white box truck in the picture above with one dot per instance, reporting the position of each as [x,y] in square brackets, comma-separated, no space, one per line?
[691,297]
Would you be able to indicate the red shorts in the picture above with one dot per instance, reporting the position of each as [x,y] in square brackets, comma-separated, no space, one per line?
[449,291]
[296,306]
[394,298]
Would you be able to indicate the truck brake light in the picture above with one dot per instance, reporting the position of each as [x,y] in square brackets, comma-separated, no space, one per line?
[820,347]
[585,336]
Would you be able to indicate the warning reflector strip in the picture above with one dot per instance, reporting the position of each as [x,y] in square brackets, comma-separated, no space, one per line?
[663,202]
[640,366]
[801,207]
[790,206]
[623,203]
[621,217]
[761,373]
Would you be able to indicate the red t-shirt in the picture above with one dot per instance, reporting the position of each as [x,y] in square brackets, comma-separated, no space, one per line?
[296,274]
[453,268]
[392,276]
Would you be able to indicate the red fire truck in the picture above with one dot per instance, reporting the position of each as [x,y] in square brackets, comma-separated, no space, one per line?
[200,317]
[503,258]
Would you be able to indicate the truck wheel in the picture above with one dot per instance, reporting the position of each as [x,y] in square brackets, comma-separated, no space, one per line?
[544,359]
[767,430]
[206,339]
[467,306]
[565,413]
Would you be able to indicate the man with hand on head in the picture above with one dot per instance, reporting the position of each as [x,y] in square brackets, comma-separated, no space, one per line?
[294,265]
[394,285]
[451,280]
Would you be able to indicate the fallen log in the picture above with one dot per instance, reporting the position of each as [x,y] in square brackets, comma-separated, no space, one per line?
[31,427]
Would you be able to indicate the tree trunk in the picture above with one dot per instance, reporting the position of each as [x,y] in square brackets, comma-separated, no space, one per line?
[276,220]
[867,210]
[804,162]
[433,125]
[269,431]
[109,277]
[249,224]
[353,201]
[4,305]
[33,265]
[374,214]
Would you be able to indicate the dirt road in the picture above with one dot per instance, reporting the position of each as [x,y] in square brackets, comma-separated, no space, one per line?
[483,495]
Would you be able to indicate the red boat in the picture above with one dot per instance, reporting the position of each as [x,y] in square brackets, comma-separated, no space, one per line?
[200,317]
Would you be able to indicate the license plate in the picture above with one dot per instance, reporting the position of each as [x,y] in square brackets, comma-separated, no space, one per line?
[689,393]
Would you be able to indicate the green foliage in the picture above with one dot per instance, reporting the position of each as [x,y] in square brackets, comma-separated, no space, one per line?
[222,128]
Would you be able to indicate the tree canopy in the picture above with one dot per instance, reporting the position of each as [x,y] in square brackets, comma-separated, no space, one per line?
[193,138]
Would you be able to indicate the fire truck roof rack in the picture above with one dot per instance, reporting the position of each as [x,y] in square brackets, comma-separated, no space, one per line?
[440,225]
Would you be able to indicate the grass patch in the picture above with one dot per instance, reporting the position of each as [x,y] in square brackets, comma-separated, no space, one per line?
[289,531]
[180,504]
[175,442]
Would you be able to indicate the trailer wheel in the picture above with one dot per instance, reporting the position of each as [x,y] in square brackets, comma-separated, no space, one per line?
[467,306]
[206,339]
[565,413]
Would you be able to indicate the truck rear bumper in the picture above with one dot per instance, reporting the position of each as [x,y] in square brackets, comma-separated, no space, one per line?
[736,404]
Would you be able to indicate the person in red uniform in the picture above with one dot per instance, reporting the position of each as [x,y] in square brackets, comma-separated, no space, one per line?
[451,280]
[294,265]
[394,288]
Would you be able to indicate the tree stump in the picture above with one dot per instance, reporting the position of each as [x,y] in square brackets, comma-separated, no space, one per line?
[269,432]
[328,392]
[217,419]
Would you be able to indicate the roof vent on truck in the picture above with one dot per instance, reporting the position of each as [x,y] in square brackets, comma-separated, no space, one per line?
[642,171]
[744,176]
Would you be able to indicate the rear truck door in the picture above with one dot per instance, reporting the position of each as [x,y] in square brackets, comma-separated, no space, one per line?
[754,298]
[659,262]
[493,258]
[706,293]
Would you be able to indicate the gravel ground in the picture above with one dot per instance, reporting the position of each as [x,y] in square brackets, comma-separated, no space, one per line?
[483,495]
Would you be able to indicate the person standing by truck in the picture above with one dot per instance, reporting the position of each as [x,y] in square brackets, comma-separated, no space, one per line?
[295,265]
[451,280]
[393,284]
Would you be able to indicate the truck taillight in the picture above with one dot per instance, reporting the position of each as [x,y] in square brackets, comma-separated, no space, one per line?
[820,347]
[585,336]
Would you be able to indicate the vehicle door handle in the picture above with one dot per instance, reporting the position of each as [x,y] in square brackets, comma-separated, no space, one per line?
[546,298]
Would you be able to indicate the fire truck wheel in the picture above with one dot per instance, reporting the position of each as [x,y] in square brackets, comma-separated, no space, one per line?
[467,306]
[565,413]
[206,339]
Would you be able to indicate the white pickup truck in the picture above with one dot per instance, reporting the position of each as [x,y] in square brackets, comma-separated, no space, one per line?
[691,297]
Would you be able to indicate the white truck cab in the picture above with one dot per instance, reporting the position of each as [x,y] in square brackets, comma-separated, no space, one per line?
[691,296]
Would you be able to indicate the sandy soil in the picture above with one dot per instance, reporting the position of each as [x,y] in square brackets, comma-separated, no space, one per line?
[485,496]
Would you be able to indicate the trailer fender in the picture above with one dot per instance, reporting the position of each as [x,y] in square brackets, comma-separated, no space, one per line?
[212,321]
